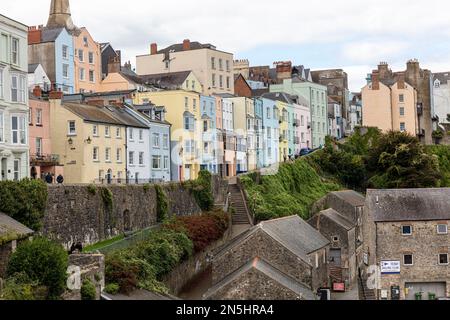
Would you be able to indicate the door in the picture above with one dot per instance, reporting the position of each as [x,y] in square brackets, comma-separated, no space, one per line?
[335,257]
[4,168]
[187,172]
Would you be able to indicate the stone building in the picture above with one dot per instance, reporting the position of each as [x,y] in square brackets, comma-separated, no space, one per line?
[341,224]
[406,237]
[11,233]
[282,258]
[241,66]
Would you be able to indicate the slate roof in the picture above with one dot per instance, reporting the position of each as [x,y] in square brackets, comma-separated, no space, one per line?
[12,229]
[92,113]
[166,80]
[125,118]
[408,204]
[443,77]
[338,218]
[269,271]
[32,67]
[352,197]
[259,92]
[50,34]
[278,96]
[293,233]
[194,45]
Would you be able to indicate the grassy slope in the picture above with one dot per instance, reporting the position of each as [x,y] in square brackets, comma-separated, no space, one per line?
[443,153]
[292,191]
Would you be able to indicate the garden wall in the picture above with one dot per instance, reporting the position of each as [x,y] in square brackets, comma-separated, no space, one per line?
[81,213]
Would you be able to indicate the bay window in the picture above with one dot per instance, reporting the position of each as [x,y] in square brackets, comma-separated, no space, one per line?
[18,129]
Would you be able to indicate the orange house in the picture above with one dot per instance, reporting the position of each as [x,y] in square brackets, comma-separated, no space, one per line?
[88,62]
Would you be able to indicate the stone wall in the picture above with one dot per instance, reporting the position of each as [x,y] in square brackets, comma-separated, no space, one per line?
[5,253]
[75,214]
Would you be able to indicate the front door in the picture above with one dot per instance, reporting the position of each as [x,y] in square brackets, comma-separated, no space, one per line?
[335,257]
[187,172]
[4,170]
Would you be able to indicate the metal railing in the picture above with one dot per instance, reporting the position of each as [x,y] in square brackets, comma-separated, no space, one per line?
[129,181]
[38,159]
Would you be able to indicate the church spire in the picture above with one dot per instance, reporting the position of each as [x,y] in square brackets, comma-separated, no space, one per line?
[60,15]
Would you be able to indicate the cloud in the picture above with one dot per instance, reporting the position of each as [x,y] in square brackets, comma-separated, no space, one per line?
[375,51]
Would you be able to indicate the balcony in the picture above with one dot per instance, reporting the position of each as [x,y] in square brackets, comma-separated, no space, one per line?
[44,160]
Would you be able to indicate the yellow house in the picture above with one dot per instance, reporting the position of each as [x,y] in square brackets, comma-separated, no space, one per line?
[183,112]
[284,129]
[390,105]
[90,142]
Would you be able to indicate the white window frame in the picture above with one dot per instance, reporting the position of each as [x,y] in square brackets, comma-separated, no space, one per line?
[166,162]
[80,55]
[38,117]
[91,55]
[92,73]
[407,234]
[141,158]
[1,83]
[38,146]
[65,71]
[442,225]
[65,52]
[16,172]
[131,158]
[412,259]
[141,135]
[107,132]
[21,132]
[2,126]
[95,130]
[108,155]
[131,134]
[439,259]
[158,159]
[82,75]
[119,155]
[95,154]
[165,141]
[156,140]
[118,133]
[15,55]
[69,132]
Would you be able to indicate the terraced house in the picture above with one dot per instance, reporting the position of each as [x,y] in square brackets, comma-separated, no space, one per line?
[14,152]
[210,155]
[271,132]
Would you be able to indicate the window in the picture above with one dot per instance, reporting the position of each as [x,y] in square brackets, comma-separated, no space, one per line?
[1,126]
[221,81]
[141,135]
[18,86]
[72,128]
[18,130]
[82,75]
[189,146]
[15,51]
[402,126]
[30,116]
[189,123]
[38,146]
[107,131]
[406,230]
[80,55]
[16,169]
[65,70]
[205,126]
[131,134]
[442,229]
[119,155]
[91,57]
[118,133]
[156,162]
[85,41]
[408,259]
[187,84]
[95,130]
[141,158]
[402,111]
[39,117]
[167,64]
[213,80]
[131,157]
[91,76]
[156,143]
[166,162]
[65,52]
[186,103]
[443,259]
[193,85]
[166,141]
[108,154]
[228,65]
[213,63]
[401,98]
[194,104]
[220,64]
[1,83]
[95,154]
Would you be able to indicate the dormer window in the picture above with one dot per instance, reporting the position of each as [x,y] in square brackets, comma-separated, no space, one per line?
[437,84]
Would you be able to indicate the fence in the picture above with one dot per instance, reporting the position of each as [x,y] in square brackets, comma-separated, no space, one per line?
[128,181]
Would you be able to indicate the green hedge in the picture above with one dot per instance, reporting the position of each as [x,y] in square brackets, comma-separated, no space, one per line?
[442,152]
[24,201]
[202,190]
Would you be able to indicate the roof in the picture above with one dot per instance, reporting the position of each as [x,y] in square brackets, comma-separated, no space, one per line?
[140,295]
[259,92]
[338,218]
[408,204]
[32,67]
[92,113]
[443,77]
[278,96]
[292,232]
[172,79]
[352,197]
[124,117]
[269,271]
[11,229]
[194,45]
[50,34]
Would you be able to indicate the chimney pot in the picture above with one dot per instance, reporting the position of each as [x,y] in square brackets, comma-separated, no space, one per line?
[153,48]
[55,95]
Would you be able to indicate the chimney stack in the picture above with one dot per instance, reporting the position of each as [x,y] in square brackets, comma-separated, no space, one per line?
[401,80]
[56,95]
[153,48]
[383,69]
[114,65]
[284,70]
[34,35]
[37,92]
[375,80]
[186,45]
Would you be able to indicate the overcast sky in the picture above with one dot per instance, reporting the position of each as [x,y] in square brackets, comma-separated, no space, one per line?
[351,34]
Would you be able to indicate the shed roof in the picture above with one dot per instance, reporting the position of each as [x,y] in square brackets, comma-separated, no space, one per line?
[170,80]
[11,229]
[409,204]
[352,197]
[92,113]
[338,218]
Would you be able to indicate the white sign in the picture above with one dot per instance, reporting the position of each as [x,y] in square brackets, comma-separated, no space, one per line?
[390,267]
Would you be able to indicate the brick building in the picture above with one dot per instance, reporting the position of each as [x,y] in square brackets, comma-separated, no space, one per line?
[241,87]
[286,253]
[406,236]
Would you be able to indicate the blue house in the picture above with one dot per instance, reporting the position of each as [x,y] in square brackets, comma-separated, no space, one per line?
[271,132]
[259,133]
[55,52]
[210,138]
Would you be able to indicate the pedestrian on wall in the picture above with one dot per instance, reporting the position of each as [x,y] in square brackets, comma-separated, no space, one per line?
[49,178]
[60,179]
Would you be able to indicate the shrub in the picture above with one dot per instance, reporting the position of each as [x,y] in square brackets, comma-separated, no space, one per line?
[162,204]
[25,201]
[202,190]
[112,288]
[108,199]
[42,261]
[92,189]
[88,291]
[20,287]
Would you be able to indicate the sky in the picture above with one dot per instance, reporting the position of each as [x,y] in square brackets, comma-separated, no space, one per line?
[353,35]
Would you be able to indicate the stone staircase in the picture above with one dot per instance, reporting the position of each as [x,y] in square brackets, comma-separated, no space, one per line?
[336,274]
[237,201]
[364,292]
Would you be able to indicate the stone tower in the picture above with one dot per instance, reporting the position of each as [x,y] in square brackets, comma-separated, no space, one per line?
[60,15]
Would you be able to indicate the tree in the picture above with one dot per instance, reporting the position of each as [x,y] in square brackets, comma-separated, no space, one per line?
[42,261]
[398,160]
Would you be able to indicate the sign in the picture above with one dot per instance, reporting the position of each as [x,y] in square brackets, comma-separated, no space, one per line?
[366,259]
[339,287]
[390,267]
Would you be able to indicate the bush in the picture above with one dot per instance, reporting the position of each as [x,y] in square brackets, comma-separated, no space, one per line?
[108,199]
[20,287]
[42,261]
[202,190]
[92,189]
[162,204]
[25,201]
[112,288]
[88,291]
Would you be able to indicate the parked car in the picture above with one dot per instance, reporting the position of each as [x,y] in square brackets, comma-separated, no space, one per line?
[305,152]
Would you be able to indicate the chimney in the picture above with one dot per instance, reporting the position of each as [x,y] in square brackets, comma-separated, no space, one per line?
[186,45]
[401,80]
[114,65]
[375,80]
[383,69]
[34,35]
[284,70]
[119,54]
[127,65]
[153,48]
[55,95]
[413,68]
[37,92]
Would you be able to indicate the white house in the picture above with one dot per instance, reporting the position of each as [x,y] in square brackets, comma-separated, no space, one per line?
[38,77]
[441,96]
[14,154]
